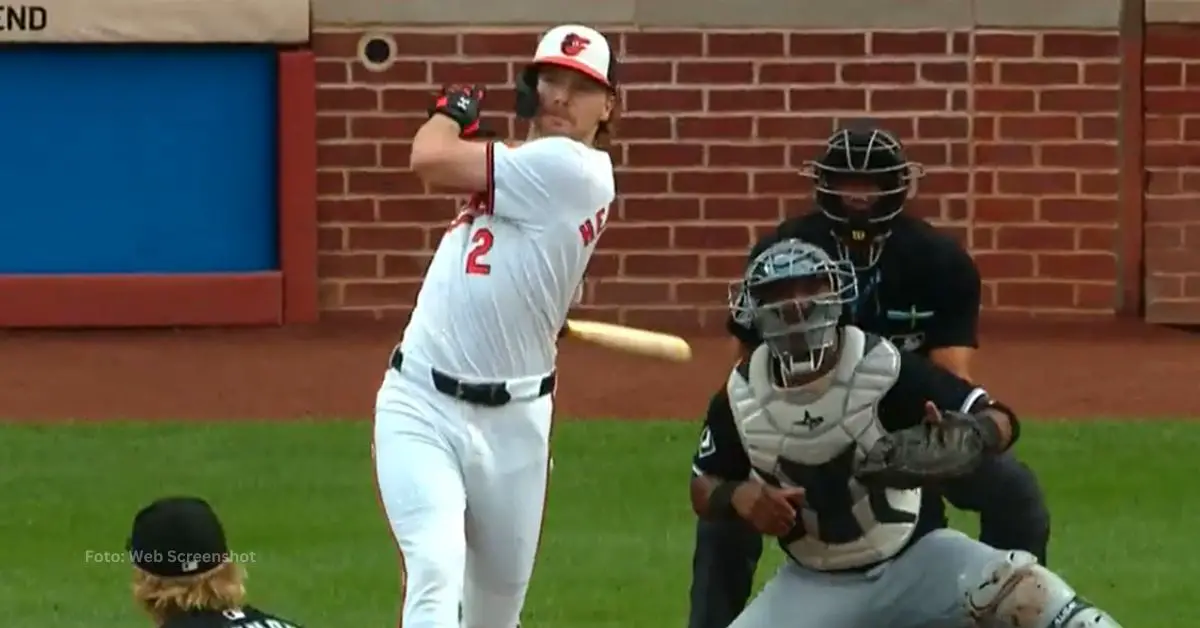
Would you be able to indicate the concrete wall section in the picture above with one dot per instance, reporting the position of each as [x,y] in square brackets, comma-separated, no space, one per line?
[844,14]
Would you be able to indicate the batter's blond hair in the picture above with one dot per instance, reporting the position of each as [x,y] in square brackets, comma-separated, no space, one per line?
[219,589]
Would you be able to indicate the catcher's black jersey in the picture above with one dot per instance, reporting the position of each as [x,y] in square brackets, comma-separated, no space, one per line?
[924,293]
[245,617]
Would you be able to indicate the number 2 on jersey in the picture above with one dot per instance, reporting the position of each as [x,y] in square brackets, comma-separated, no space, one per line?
[481,243]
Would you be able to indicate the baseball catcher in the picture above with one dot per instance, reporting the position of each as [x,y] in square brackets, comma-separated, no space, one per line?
[832,434]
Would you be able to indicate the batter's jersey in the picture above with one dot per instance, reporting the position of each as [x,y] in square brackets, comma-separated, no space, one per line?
[500,283]
[245,617]
[809,439]
[922,294]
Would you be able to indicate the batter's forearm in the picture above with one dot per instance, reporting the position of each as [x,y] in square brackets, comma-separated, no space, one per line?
[440,157]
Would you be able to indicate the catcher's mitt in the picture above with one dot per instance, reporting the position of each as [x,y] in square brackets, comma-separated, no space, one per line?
[950,445]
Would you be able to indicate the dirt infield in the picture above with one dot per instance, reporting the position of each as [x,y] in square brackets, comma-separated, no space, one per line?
[1048,370]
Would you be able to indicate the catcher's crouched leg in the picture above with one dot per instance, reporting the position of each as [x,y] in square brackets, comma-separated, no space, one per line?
[1017,592]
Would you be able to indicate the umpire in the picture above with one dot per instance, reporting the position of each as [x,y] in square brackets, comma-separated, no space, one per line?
[183,573]
[916,286]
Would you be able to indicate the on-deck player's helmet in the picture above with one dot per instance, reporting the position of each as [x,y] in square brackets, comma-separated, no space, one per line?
[861,183]
[571,46]
[794,293]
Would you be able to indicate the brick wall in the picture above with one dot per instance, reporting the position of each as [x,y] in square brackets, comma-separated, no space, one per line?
[1017,129]
[1172,76]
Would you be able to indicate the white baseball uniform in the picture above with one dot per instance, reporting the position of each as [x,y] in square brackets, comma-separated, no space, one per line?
[462,420]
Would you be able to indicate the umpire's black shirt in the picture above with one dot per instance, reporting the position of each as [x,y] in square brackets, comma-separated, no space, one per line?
[245,617]
[923,294]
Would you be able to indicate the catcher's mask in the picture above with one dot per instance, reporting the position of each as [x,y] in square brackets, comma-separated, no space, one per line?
[570,46]
[861,182]
[794,293]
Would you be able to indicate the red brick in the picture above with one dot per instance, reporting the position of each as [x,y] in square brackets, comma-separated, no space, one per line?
[791,72]
[635,72]
[642,127]
[944,72]
[715,128]
[827,99]
[660,265]
[1020,45]
[383,292]
[710,182]
[758,45]
[1003,265]
[630,292]
[1035,294]
[1004,154]
[1086,266]
[879,72]
[763,155]
[348,155]
[921,43]
[664,154]
[658,99]
[658,209]
[839,45]
[345,210]
[1077,100]
[332,72]
[1078,210]
[701,292]
[742,100]
[627,237]
[669,44]
[398,72]
[1089,45]
[1163,74]
[381,238]
[1038,73]
[908,99]
[335,45]
[1004,209]
[498,44]
[723,72]
[711,237]
[349,99]
[348,265]
[1035,238]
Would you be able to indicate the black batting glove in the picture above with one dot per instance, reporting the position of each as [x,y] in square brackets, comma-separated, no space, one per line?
[461,103]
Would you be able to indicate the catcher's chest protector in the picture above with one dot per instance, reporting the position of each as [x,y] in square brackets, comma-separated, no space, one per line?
[810,438]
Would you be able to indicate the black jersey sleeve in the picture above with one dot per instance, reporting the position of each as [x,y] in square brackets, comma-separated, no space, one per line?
[919,381]
[957,300]
[720,452]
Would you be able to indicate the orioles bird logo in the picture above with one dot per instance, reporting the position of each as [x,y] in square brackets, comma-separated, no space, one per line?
[573,44]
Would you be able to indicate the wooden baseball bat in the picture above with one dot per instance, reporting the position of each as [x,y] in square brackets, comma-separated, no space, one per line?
[631,340]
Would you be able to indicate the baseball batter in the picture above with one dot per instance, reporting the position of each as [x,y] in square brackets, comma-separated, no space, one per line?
[462,420]
[824,438]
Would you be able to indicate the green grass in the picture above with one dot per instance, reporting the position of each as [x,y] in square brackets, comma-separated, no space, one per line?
[618,538]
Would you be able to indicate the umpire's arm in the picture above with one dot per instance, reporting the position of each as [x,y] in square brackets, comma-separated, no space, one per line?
[953,335]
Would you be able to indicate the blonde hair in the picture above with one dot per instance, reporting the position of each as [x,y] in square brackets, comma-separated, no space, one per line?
[219,589]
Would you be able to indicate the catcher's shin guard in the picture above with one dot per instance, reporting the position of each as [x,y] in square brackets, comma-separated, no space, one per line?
[1017,592]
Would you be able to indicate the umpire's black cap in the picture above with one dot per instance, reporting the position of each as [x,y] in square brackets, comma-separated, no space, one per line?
[177,536]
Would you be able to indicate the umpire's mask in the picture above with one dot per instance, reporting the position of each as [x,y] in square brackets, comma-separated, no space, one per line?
[861,182]
[794,292]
